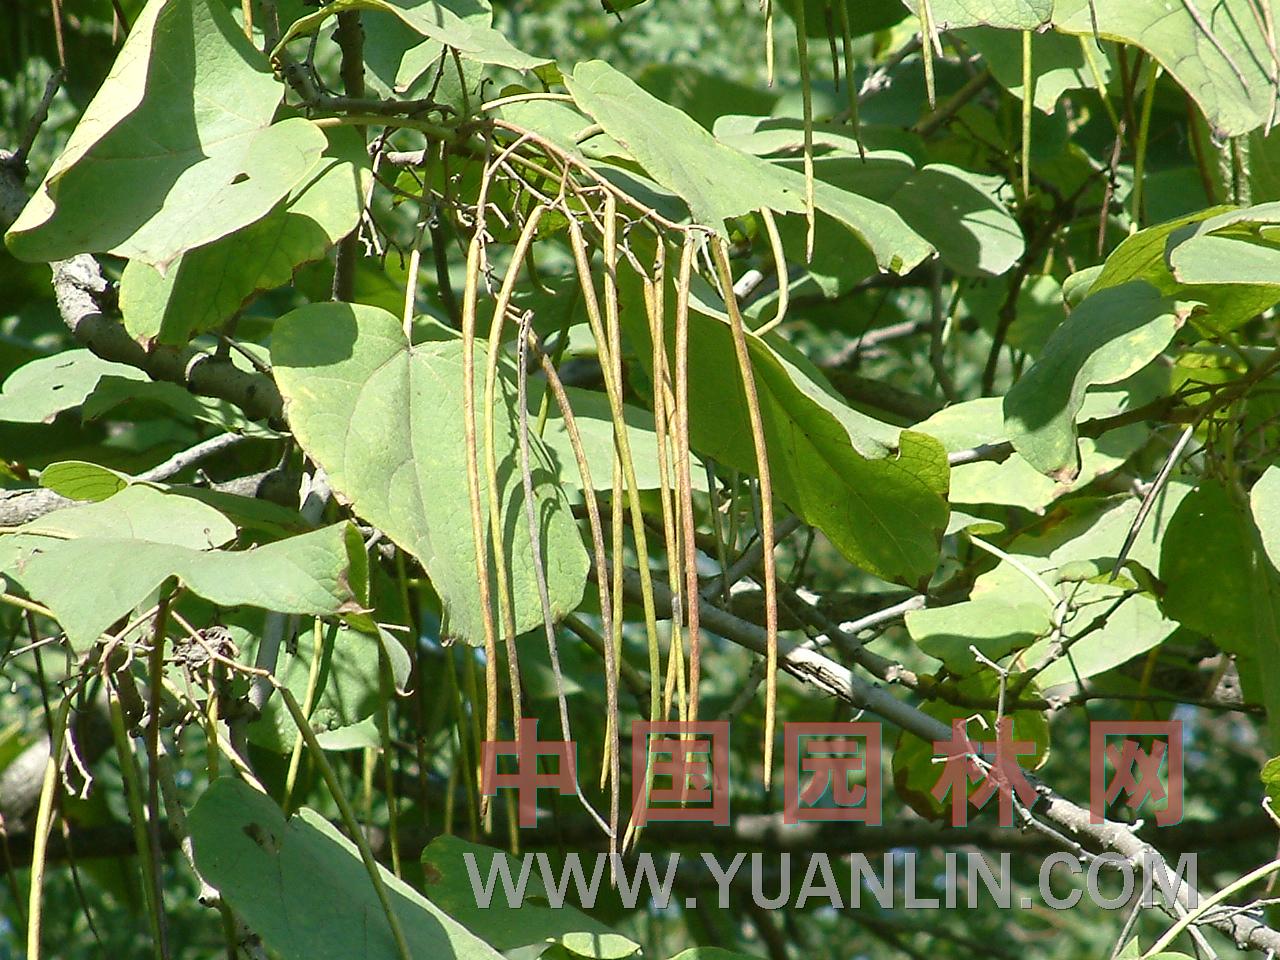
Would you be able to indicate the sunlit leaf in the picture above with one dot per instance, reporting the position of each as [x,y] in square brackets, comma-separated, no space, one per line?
[150,175]
[385,421]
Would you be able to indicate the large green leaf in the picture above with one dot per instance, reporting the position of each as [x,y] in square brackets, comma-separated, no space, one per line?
[38,391]
[138,513]
[996,628]
[877,492]
[300,884]
[449,863]
[880,226]
[1111,335]
[716,181]
[1239,247]
[1219,581]
[1057,60]
[1146,256]
[385,421]
[1217,51]
[1015,482]
[206,286]
[899,211]
[957,212]
[848,199]
[1008,14]
[1091,534]
[95,563]
[1210,544]
[461,24]
[177,148]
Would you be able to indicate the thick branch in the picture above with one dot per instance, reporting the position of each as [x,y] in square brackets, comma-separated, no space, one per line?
[817,670]
[78,283]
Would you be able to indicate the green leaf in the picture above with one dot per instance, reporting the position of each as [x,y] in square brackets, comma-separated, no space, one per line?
[120,556]
[79,480]
[1208,566]
[300,885]
[996,628]
[1217,581]
[711,953]
[954,211]
[400,62]
[385,421]
[1092,532]
[1218,51]
[901,213]
[1270,777]
[38,391]
[878,493]
[1264,502]
[138,513]
[1008,14]
[506,928]
[716,181]
[1144,256]
[1058,61]
[1015,482]
[461,24]
[1112,335]
[149,174]
[1232,249]
[207,286]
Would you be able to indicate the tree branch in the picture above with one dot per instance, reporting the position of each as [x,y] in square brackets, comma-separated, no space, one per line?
[836,680]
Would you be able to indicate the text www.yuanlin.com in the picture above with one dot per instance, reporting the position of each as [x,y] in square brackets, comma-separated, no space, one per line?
[967,879]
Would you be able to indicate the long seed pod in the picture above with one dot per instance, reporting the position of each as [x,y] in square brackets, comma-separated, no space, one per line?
[768,42]
[806,98]
[473,498]
[612,362]
[720,253]
[475,250]
[928,44]
[44,826]
[613,388]
[505,605]
[655,304]
[684,483]
[556,388]
[1028,104]
[131,776]
[779,266]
